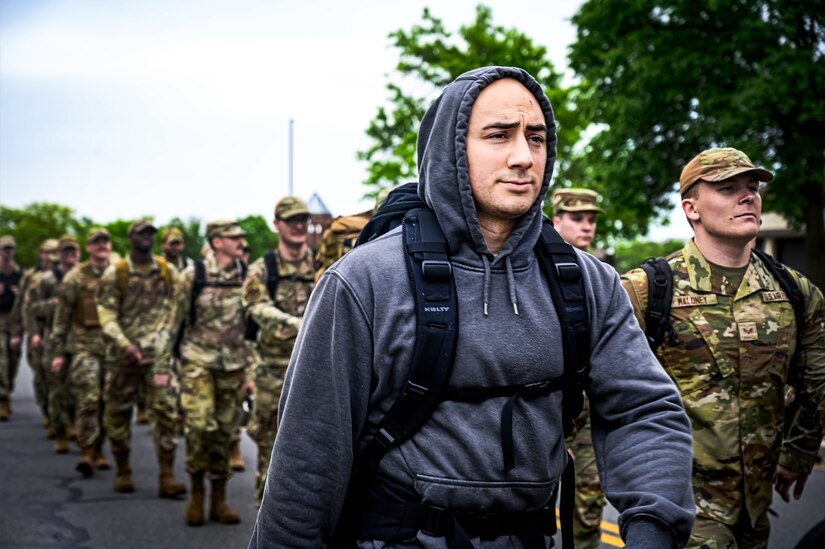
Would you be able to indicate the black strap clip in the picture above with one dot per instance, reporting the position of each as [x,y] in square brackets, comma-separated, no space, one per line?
[436,269]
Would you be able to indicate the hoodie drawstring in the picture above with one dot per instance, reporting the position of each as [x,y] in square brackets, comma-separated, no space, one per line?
[486,288]
[511,282]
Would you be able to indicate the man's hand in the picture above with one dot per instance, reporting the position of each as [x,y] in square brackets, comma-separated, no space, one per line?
[14,343]
[133,355]
[784,478]
[249,388]
[36,341]
[57,364]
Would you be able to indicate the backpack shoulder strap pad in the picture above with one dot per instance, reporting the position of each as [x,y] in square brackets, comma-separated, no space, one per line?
[659,297]
[272,274]
[198,283]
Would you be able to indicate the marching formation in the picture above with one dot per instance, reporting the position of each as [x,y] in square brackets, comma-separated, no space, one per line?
[454,366]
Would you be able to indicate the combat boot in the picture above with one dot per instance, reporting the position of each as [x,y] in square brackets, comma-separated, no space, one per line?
[168,486]
[194,508]
[5,410]
[71,432]
[142,416]
[123,476]
[61,441]
[218,509]
[99,461]
[45,422]
[235,458]
[86,464]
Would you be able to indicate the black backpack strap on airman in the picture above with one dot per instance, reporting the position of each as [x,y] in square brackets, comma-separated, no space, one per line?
[791,288]
[659,297]
[273,276]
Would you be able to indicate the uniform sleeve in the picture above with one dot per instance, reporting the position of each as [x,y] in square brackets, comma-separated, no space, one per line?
[257,304]
[804,434]
[108,303]
[322,411]
[67,299]
[31,323]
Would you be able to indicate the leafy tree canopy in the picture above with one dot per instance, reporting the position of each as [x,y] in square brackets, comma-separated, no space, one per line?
[629,254]
[669,78]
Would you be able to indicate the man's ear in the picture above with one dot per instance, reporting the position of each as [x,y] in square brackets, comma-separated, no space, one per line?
[689,207]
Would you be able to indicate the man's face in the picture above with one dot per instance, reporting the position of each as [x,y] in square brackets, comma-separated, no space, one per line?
[7,254]
[506,150]
[294,231]
[726,210]
[68,257]
[172,249]
[100,248]
[577,228]
[142,241]
[231,246]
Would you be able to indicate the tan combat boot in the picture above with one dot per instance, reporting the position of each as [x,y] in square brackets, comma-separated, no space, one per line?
[218,509]
[142,416]
[194,507]
[86,464]
[5,410]
[168,486]
[61,441]
[235,458]
[71,432]
[99,460]
[123,476]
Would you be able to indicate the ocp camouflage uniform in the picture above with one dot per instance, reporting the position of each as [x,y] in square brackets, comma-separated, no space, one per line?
[139,310]
[590,499]
[76,333]
[214,360]
[34,323]
[279,323]
[731,365]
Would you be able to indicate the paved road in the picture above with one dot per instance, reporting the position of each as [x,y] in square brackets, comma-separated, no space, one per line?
[46,504]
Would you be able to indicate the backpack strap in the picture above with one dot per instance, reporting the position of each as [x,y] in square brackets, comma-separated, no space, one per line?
[273,277]
[659,297]
[791,288]
[198,283]
[121,276]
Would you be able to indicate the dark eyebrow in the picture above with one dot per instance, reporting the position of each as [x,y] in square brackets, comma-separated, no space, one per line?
[514,125]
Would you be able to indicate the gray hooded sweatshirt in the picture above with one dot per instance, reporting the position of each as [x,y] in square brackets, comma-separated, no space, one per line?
[355,347]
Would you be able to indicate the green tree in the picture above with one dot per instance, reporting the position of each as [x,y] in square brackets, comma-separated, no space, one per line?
[669,78]
[33,224]
[193,241]
[629,254]
[259,236]
[432,55]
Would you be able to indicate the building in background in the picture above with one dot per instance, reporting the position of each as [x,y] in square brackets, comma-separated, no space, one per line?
[783,243]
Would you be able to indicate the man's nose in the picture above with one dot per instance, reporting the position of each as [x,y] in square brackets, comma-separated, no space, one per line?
[521,156]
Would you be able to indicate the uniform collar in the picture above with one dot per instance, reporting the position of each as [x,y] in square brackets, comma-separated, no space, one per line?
[702,278]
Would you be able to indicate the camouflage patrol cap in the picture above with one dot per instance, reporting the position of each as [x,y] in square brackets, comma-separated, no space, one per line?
[718,165]
[575,200]
[49,246]
[96,233]
[170,235]
[7,241]
[223,228]
[67,242]
[290,206]
[140,225]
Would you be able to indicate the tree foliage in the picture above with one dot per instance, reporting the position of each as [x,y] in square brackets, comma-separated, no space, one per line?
[31,225]
[259,236]
[430,58]
[669,78]
[629,254]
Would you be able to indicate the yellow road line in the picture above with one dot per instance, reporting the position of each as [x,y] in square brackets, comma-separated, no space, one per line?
[610,527]
[610,539]
[608,536]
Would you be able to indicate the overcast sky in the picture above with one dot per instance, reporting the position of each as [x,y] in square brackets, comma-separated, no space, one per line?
[120,108]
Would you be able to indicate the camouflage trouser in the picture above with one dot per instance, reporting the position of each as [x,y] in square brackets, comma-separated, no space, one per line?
[587,517]
[121,393]
[39,379]
[9,361]
[211,402]
[263,425]
[86,387]
[61,405]
[710,534]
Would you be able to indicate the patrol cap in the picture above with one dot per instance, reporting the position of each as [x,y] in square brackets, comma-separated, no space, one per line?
[170,235]
[96,233]
[140,225]
[223,228]
[717,165]
[67,242]
[290,206]
[7,241]
[575,200]
[49,245]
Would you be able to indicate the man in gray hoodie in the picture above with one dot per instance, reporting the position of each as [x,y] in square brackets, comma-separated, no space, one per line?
[486,150]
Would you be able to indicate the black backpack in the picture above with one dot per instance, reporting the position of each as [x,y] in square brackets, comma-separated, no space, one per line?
[436,307]
[658,328]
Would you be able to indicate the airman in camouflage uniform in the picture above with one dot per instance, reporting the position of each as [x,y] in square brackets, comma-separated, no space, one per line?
[136,307]
[76,334]
[214,362]
[171,243]
[574,217]
[279,320]
[736,338]
[34,325]
[10,329]
[47,296]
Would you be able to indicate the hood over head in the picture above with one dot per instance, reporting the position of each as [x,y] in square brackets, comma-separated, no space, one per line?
[444,182]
